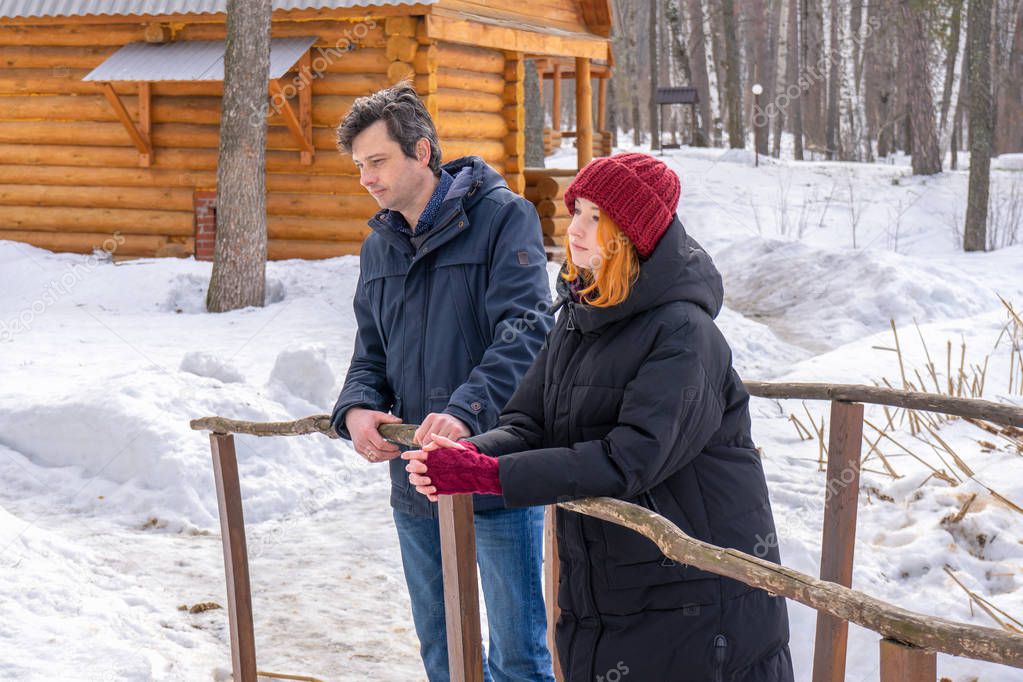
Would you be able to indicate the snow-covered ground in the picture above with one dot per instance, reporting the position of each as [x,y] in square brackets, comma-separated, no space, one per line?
[108,515]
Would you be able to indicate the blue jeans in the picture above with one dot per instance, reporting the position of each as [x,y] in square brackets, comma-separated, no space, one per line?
[509,551]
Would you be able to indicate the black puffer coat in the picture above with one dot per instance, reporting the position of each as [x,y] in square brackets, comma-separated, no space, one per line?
[640,402]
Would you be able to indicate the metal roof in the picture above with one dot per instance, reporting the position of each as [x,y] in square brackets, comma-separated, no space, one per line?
[189,60]
[74,8]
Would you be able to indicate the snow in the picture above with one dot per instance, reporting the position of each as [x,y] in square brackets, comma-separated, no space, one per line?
[108,513]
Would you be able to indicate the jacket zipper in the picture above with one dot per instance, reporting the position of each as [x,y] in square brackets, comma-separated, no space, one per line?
[720,651]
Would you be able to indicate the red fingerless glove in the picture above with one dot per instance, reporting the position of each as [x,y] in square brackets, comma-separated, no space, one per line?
[453,471]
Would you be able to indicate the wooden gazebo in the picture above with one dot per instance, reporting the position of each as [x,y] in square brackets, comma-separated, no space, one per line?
[131,150]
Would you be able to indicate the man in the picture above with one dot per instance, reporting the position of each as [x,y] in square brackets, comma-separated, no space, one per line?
[452,305]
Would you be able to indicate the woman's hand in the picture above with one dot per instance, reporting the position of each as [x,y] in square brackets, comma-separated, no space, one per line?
[417,465]
[444,467]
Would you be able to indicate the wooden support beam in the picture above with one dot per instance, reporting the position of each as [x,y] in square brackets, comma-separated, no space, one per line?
[236,562]
[904,663]
[461,592]
[601,104]
[583,112]
[140,140]
[290,118]
[146,122]
[552,574]
[556,98]
[305,106]
[841,497]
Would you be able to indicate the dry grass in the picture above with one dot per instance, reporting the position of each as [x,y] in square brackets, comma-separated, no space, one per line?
[961,378]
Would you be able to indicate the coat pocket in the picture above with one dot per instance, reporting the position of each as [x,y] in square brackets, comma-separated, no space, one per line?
[633,560]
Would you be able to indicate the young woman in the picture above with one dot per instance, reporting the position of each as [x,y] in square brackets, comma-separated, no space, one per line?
[634,397]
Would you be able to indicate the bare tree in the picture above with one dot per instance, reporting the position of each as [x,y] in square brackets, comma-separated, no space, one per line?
[781,58]
[962,105]
[834,118]
[239,265]
[812,70]
[535,115]
[876,84]
[679,53]
[652,35]
[1009,113]
[978,42]
[794,68]
[951,52]
[732,69]
[625,15]
[701,77]
[759,69]
[915,38]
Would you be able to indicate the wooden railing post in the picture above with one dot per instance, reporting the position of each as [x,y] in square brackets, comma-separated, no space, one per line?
[461,593]
[552,574]
[841,496]
[904,663]
[236,561]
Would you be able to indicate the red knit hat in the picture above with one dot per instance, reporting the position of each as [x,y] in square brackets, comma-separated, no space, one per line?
[639,192]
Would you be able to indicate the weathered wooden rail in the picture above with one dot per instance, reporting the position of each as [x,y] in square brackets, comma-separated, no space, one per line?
[910,641]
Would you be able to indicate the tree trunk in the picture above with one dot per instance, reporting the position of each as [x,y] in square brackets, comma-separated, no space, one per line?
[951,52]
[795,67]
[780,60]
[239,265]
[733,86]
[701,77]
[718,51]
[859,146]
[924,145]
[652,35]
[758,34]
[832,141]
[535,116]
[680,57]
[812,71]
[1009,115]
[879,77]
[962,104]
[978,37]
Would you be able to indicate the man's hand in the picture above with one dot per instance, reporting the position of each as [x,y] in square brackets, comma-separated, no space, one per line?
[443,425]
[362,423]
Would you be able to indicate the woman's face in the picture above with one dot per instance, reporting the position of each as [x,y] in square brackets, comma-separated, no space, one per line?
[582,235]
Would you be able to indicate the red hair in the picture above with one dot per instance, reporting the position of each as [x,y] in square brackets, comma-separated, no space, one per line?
[609,283]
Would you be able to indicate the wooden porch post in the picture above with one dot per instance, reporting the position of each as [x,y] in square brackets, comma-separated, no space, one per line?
[236,561]
[583,112]
[556,98]
[461,593]
[839,537]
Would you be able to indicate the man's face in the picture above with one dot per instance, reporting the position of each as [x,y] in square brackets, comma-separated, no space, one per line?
[388,175]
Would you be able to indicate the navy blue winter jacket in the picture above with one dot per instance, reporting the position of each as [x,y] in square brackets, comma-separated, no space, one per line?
[454,326]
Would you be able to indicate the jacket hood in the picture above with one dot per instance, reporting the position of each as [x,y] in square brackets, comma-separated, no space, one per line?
[677,270]
[473,180]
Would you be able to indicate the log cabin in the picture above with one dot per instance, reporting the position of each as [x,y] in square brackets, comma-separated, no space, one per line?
[109,122]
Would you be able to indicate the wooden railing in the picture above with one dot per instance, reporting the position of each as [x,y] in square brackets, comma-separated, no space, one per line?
[910,641]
